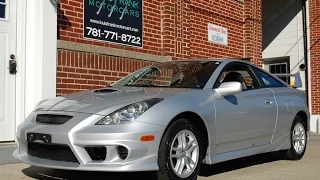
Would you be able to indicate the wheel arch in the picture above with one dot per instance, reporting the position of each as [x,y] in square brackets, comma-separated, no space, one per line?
[304,116]
[199,123]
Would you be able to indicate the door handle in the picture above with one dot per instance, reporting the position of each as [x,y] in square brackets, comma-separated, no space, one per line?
[12,64]
[268,102]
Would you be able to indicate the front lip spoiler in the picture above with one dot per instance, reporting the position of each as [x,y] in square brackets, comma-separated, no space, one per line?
[143,164]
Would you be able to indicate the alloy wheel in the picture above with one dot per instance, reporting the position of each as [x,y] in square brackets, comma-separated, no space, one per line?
[299,138]
[184,153]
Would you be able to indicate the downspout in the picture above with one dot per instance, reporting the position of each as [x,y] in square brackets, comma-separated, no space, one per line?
[305,47]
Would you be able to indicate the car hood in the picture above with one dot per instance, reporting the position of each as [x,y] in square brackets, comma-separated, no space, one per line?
[94,101]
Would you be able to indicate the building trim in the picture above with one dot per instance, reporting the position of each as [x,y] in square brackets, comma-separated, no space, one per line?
[307,4]
[21,60]
[40,53]
[315,123]
[306,47]
[72,46]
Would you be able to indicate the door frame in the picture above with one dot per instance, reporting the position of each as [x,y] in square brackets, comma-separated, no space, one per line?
[21,61]
[35,54]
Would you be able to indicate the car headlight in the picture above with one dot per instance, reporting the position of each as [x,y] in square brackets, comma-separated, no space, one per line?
[128,113]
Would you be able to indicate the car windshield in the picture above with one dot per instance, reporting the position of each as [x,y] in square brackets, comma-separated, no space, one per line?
[174,74]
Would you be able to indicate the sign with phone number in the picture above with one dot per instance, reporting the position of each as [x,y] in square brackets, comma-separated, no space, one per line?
[113,36]
[116,21]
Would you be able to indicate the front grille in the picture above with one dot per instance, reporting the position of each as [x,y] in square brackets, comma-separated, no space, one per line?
[51,152]
[52,119]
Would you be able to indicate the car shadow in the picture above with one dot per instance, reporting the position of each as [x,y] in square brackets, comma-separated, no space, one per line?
[223,167]
[205,171]
[54,174]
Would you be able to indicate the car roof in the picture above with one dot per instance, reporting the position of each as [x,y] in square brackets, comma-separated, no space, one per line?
[227,60]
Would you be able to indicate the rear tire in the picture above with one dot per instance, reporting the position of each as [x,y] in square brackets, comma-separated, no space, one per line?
[298,137]
[180,152]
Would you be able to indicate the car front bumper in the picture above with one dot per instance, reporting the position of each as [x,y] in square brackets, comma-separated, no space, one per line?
[80,134]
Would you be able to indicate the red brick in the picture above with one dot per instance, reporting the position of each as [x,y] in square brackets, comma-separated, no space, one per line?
[68,69]
[67,91]
[315,55]
[67,80]
[62,74]
[108,73]
[94,71]
[60,86]
[86,86]
[86,76]
[73,86]
[93,82]
[98,77]
[71,75]
[81,70]
[81,81]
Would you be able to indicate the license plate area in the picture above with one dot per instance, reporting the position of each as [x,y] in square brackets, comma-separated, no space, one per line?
[39,138]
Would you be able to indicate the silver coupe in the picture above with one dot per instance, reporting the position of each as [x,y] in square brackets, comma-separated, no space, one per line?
[168,117]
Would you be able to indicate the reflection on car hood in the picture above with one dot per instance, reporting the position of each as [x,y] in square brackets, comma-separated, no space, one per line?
[101,99]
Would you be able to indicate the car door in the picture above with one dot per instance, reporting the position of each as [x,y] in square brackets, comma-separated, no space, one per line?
[246,119]
[285,97]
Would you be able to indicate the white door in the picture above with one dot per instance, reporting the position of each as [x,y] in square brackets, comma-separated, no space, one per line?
[7,80]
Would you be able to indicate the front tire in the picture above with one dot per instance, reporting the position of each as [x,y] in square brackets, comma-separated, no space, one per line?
[298,136]
[180,152]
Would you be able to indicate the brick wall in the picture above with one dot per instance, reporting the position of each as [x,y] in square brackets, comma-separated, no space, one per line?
[176,28]
[315,54]
[228,14]
[253,30]
[78,71]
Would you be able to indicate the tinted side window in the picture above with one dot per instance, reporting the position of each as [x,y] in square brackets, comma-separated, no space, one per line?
[268,80]
[238,72]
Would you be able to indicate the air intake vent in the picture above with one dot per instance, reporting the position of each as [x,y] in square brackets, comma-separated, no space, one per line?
[104,90]
[98,153]
[52,119]
[52,152]
[122,152]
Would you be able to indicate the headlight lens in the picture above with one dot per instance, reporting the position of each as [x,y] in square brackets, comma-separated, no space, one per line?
[129,113]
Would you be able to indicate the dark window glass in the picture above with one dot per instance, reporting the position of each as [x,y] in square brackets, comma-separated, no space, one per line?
[279,69]
[240,73]
[2,11]
[3,1]
[179,74]
[268,80]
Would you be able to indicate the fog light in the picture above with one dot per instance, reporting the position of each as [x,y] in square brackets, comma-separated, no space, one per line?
[97,153]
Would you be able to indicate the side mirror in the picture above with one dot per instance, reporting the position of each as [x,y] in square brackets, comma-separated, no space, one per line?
[226,89]
[297,80]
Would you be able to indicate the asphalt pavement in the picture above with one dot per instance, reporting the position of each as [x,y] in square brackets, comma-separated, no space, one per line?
[266,166]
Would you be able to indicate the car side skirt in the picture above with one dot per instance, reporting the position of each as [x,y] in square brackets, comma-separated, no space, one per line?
[281,144]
